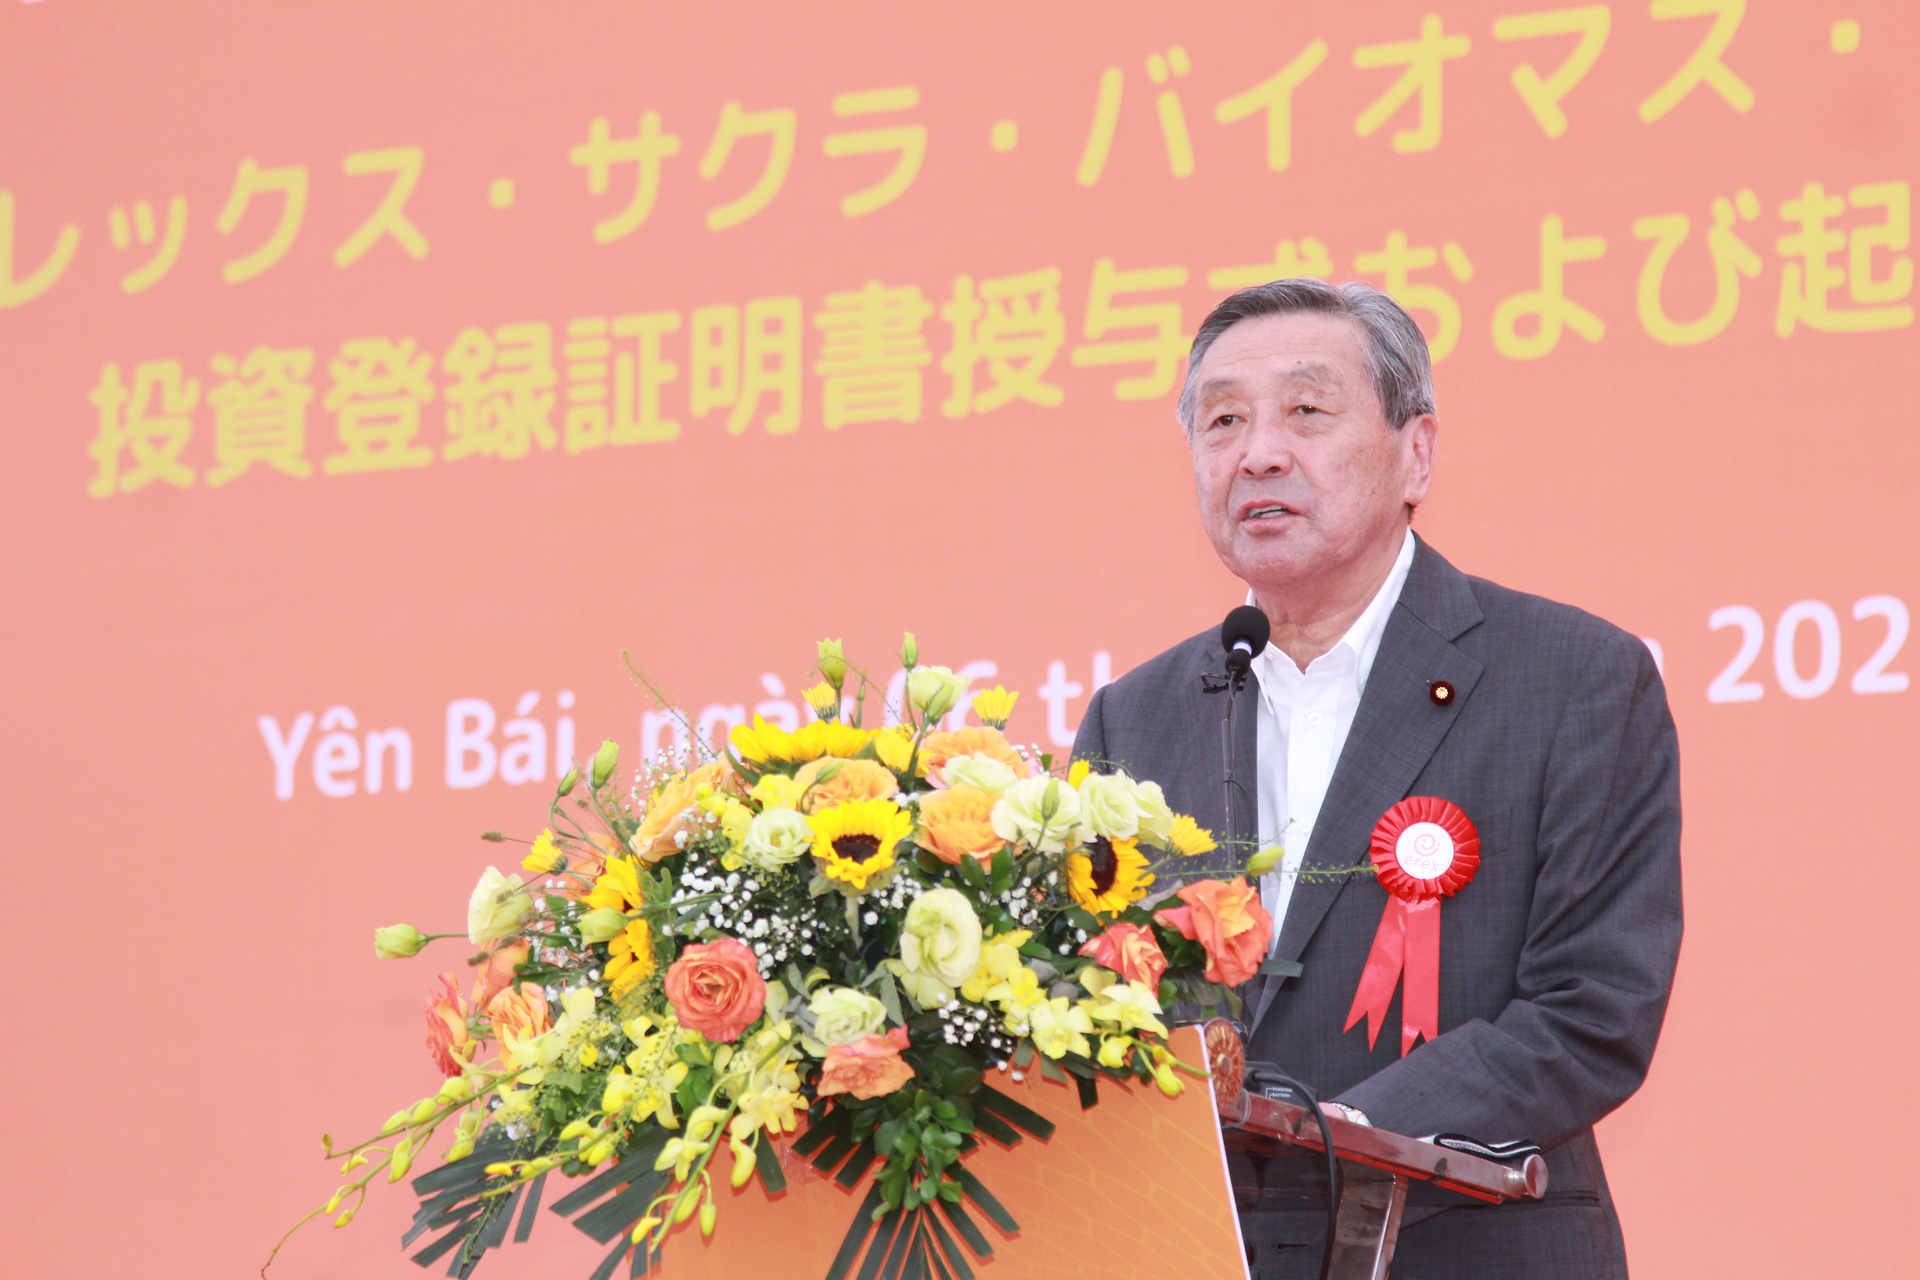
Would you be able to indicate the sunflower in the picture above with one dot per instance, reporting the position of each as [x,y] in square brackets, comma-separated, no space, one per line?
[1108,875]
[630,957]
[763,743]
[1189,838]
[853,842]
[618,887]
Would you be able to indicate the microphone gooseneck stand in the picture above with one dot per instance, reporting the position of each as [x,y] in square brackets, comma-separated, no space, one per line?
[1244,635]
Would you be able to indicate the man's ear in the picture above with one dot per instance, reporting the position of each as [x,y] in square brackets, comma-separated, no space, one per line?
[1421,439]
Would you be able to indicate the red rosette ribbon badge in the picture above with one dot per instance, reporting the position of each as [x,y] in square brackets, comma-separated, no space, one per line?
[1425,849]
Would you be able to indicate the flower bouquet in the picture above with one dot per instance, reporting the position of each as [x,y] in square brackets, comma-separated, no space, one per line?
[827,943]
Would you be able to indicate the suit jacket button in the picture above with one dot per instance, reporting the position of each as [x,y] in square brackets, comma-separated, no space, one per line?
[1441,692]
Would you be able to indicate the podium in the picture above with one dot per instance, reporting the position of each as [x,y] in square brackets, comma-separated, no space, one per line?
[1276,1160]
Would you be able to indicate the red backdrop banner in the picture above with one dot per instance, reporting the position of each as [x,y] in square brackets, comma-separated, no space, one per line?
[376,373]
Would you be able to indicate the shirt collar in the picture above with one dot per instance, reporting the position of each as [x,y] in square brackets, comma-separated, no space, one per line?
[1362,639]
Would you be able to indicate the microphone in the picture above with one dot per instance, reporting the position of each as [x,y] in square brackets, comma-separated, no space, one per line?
[1243,635]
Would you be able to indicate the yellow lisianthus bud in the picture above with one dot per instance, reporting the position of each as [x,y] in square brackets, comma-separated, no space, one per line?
[1264,861]
[994,706]
[824,699]
[909,652]
[569,782]
[604,762]
[708,1215]
[833,662]
[545,857]
[397,941]
[603,924]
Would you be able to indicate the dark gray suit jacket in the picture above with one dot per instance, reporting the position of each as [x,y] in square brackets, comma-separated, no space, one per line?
[1556,961]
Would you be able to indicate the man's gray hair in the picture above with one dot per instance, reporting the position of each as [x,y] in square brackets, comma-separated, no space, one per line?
[1396,349]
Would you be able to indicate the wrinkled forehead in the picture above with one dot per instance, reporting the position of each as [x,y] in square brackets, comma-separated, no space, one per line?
[1303,351]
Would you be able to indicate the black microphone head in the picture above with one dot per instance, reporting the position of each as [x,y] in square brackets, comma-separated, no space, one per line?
[1243,635]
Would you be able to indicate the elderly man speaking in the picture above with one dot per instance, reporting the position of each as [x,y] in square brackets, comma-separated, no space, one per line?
[1391,675]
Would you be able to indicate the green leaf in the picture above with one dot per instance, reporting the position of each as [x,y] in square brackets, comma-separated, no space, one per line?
[856,1236]
[1002,871]
[883,1238]
[955,1258]
[963,1223]
[1050,1070]
[984,1198]
[890,998]
[970,872]
[767,1161]
[992,1100]
[820,1132]
[856,1167]
[962,1080]
[1089,1092]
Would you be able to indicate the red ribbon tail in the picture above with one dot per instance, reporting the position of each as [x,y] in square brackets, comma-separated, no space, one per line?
[1420,1006]
[1382,972]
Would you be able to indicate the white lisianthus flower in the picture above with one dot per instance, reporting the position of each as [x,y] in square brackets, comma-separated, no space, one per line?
[981,771]
[1040,812]
[1108,808]
[942,937]
[1156,818]
[775,838]
[934,691]
[497,909]
[842,1016]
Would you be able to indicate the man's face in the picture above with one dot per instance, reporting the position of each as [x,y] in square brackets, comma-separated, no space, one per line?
[1298,473]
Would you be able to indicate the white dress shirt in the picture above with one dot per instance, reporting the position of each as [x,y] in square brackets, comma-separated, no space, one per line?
[1304,717]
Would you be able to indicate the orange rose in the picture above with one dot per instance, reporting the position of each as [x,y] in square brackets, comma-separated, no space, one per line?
[496,975]
[869,1068]
[716,988]
[938,748]
[447,1036]
[670,809]
[854,780]
[518,1013]
[1130,951]
[958,823]
[1227,919]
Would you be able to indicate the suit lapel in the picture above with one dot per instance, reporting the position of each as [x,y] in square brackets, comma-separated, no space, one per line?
[1396,730]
